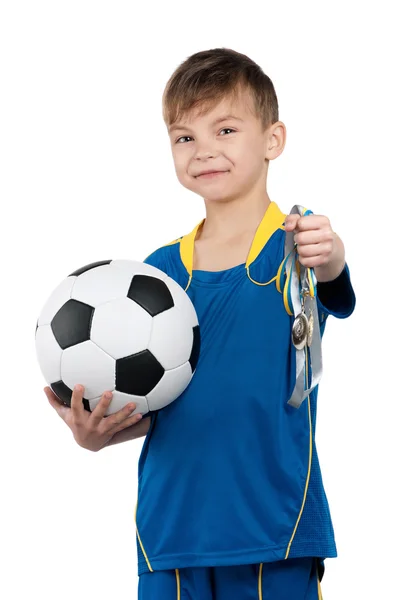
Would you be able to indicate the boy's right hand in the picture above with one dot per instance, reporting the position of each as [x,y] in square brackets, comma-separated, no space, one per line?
[92,430]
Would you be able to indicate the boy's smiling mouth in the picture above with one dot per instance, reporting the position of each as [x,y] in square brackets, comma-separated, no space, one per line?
[208,174]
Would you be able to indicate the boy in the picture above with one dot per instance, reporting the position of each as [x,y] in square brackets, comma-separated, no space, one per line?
[231,504]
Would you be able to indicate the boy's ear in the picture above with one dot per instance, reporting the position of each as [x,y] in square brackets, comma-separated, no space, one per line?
[276,138]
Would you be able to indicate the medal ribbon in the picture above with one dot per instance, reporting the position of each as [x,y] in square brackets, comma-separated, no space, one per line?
[300,288]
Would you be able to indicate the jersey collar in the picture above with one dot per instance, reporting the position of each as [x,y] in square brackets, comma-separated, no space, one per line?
[273,219]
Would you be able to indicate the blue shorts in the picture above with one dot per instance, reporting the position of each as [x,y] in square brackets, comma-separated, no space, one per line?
[292,579]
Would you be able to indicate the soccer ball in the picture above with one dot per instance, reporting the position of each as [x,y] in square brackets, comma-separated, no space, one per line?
[123,326]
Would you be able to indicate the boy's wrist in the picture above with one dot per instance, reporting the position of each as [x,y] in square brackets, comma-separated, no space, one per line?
[336,264]
[133,432]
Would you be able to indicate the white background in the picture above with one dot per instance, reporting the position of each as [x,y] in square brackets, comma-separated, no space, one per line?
[87,175]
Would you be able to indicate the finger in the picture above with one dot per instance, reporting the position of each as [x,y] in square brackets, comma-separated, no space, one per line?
[313,236]
[99,411]
[291,222]
[76,403]
[313,222]
[53,399]
[128,422]
[307,251]
[120,416]
[56,403]
[311,262]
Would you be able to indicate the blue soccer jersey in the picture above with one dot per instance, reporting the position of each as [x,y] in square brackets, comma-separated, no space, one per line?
[229,473]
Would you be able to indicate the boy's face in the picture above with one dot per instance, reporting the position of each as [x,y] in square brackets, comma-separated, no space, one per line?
[235,146]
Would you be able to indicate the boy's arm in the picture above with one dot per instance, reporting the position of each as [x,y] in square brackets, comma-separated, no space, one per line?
[335,292]
[337,297]
[133,432]
[337,261]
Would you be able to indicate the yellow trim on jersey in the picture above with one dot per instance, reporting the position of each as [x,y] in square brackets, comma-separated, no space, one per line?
[178,585]
[138,537]
[187,248]
[259,583]
[309,466]
[320,597]
[257,282]
[285,295]
[278,277]
[174,242]
[273,219]
[190,279]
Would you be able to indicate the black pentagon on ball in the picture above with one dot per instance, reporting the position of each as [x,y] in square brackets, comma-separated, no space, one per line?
[194,355]
[138,374]
[90,266]
[63,392]
[71,324]
[151,294]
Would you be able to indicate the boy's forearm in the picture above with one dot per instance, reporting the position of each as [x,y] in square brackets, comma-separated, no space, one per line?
[134,432]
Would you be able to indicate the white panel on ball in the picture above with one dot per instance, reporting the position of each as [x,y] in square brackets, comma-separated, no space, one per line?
[101,284]
[49,353]
[120,400]
[89,366]
[58,297]
[139,268]
[171,325]
[182,300]
[121,328]
[172,384]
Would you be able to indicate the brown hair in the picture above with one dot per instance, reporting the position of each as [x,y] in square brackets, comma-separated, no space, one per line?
[207,77]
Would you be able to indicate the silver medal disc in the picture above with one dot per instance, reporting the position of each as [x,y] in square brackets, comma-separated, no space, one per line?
[300,331]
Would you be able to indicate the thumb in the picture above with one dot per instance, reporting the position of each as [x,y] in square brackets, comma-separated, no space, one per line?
[54,401]
[291,222]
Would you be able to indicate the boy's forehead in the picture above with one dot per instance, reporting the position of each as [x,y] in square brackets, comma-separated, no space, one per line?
[237,108]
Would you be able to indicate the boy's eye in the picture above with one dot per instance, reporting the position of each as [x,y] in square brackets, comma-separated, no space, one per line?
[188,136]
[227,129]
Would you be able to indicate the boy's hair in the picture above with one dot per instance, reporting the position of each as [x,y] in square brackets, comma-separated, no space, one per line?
[207,77]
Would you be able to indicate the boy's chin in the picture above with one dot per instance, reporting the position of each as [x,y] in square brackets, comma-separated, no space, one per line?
[218,198]
[213,195]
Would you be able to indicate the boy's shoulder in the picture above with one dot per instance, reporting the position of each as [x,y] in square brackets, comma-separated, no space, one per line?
[167,258]
[163,251]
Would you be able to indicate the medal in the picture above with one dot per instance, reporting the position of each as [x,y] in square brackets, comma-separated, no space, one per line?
[299,295]
[300,329]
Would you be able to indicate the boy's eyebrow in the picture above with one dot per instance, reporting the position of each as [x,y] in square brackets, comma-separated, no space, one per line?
[174,127]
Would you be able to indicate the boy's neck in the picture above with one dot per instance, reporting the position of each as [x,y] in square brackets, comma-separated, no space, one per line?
[229,219]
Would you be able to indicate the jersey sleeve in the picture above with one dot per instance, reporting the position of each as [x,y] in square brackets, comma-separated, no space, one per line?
[155,259]
[167,259]
[336,297]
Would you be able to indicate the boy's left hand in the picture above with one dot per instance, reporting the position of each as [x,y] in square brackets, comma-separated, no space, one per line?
[318,246]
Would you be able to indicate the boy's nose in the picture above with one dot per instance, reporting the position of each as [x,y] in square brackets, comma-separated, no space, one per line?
[203,154]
